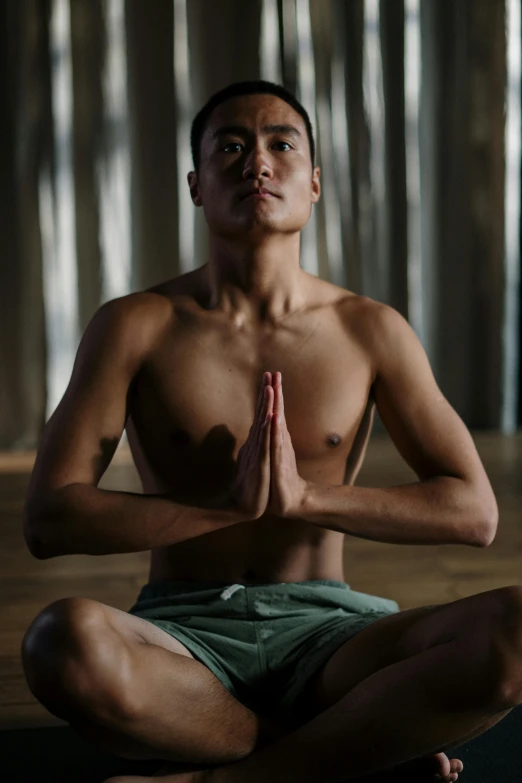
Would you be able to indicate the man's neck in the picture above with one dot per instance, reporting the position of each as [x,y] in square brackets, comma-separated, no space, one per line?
[257,284]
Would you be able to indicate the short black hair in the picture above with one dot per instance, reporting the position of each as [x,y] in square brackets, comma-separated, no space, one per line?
[244,88]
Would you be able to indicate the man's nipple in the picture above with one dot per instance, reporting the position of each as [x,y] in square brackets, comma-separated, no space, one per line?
[333,440]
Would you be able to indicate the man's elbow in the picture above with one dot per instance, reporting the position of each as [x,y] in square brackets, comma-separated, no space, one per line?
[485,528]
[490,533]
[32,536]
[35,548]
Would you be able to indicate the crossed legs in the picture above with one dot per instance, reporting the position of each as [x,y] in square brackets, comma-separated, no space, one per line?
[441,696]
[413,708]
[90,665]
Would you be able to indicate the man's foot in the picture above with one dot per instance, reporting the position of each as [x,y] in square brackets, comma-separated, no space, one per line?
[437,768]
[428,769]
[446,769]
[176,772]
[179,773]
[168,773]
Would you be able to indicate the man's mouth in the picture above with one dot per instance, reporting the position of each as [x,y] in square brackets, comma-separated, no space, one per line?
[259,193]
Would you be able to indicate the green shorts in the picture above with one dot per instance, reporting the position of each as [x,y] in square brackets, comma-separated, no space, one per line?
[263,642]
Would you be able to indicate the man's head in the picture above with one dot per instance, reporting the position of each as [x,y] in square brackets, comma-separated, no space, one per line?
[259,87]
[253,135]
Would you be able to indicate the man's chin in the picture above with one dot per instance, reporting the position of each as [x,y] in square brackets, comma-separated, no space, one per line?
[256,226]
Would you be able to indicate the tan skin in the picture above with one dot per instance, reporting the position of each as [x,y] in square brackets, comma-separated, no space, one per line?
[185,369]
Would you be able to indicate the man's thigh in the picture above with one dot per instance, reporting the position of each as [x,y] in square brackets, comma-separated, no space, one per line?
[136,630]
[396,637]
[140,630]
[85,625]
[80,614]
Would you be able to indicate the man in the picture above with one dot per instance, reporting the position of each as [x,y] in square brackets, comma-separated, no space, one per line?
[246,388]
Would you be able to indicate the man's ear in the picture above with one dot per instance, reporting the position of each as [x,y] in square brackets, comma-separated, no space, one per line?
[316,185]
[192,179]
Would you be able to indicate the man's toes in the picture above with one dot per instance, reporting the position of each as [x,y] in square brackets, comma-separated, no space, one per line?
[456,765]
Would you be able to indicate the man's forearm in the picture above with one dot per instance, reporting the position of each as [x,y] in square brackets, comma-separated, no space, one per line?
[441,510]
[82,519]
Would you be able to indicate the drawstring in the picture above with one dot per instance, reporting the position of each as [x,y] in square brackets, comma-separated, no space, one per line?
[228,591]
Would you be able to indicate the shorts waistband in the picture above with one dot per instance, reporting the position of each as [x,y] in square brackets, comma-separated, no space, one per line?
[151,589]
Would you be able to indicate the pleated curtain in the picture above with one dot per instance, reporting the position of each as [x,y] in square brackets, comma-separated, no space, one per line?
[414,107]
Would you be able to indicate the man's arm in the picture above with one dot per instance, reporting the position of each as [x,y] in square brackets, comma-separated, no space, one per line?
[453,501]
[65,511]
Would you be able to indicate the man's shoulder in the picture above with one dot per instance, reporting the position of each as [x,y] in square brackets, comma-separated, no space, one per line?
[377,328]
[143,307]
[185,285]
[157,304]
[367,316]
[132,322]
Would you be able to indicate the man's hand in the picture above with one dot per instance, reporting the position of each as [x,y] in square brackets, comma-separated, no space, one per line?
[249,492]
[287,488]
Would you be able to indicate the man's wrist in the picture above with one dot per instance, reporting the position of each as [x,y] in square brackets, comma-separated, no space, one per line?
[226,503]
[305,504]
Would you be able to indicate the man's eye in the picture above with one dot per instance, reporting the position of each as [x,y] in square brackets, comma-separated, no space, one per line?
[237,144]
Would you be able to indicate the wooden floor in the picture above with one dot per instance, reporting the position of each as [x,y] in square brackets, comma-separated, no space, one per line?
[412,575]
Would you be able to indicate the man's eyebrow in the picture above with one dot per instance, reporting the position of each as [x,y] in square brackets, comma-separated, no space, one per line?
[240,129]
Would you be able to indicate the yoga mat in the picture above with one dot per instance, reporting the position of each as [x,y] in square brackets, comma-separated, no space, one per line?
[60,755]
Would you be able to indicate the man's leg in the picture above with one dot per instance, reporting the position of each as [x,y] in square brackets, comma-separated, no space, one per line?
[410,709]
[88,664]
[199,723]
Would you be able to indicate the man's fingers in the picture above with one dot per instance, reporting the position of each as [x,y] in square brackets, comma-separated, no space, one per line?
[278,407]
[260,407]
[280,400]
[265,442]
[278,393]
[268,407]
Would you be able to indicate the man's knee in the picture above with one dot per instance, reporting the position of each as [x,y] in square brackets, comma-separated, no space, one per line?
[508,646]
[59,622]
[72,659]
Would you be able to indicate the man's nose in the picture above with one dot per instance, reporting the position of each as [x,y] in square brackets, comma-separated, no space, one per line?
[257,164]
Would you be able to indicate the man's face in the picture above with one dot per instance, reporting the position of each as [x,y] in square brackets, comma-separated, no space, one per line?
[249,155]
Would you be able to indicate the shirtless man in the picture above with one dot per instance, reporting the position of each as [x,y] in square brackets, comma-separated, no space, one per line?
[246,389]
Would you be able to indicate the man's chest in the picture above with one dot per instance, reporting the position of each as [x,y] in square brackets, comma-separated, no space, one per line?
[194,402]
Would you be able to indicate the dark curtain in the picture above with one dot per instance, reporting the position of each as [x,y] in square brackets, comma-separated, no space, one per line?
[128,128]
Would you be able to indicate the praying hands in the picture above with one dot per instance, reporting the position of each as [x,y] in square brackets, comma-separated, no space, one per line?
[267,479]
